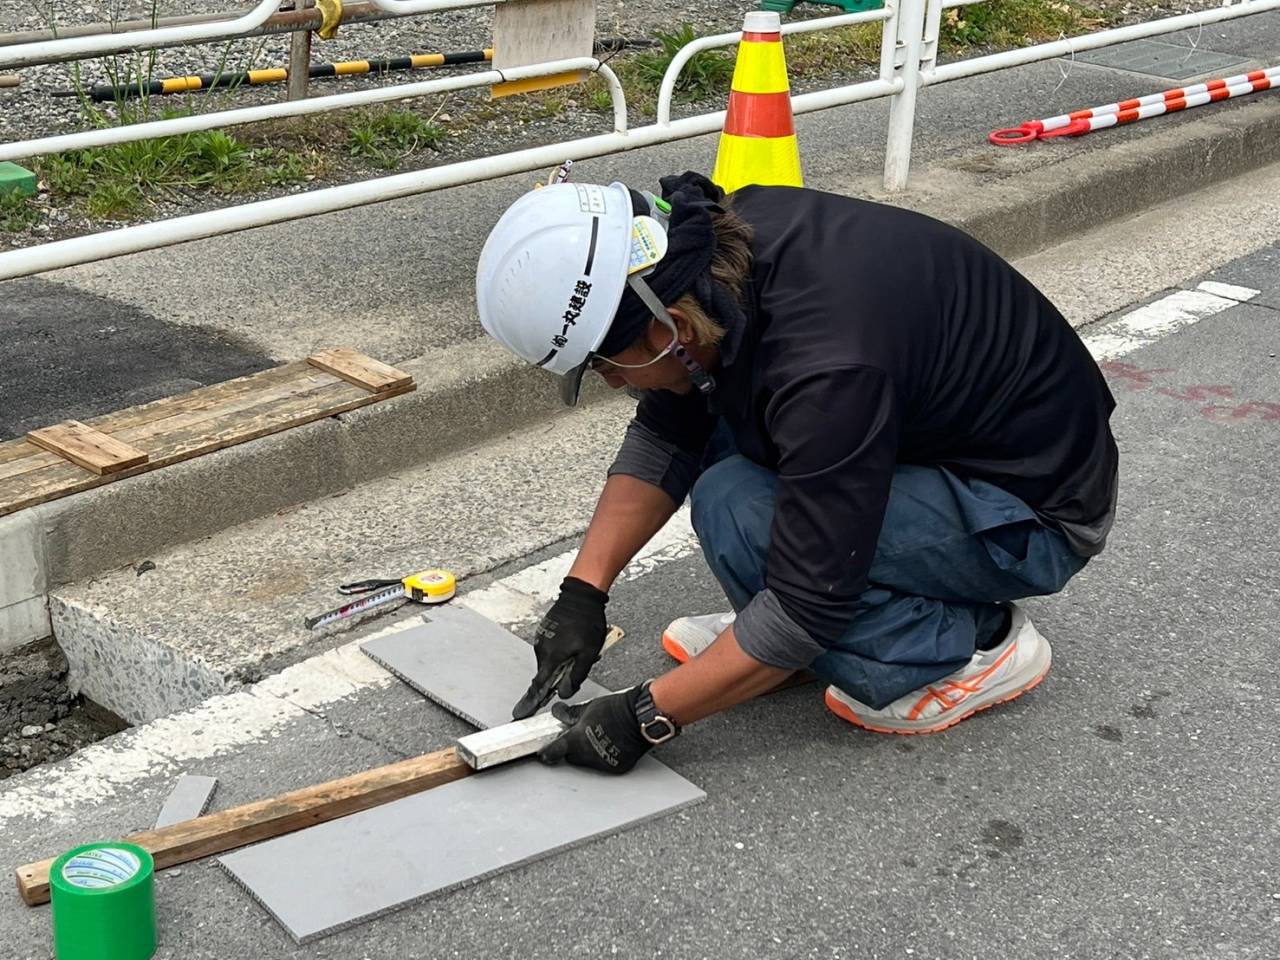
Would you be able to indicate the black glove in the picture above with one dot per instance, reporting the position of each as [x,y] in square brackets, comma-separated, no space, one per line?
[603,733]
[567,644]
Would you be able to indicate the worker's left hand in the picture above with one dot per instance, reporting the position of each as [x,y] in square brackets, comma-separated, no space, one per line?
[603,733]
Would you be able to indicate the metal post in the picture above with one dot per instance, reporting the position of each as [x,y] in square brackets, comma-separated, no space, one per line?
[299,57]
[932,34]
[902,106]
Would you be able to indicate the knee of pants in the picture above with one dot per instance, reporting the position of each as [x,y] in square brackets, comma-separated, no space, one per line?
[732,508]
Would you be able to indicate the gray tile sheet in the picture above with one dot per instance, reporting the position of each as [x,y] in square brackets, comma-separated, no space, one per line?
[465,662]
[189,799]
[338,874]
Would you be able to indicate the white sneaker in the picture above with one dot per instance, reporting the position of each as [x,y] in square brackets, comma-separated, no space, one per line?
[992,676]
[689,636]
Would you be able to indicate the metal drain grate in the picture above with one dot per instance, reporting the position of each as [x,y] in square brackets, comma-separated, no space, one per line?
[1166,60]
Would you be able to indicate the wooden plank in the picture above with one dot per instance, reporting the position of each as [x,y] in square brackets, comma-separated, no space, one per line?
[327,401]
[87,447]
[19,456]
[32,458]
[273,817]
[202,398]
[53,474]
[62,479]
[144,433]
[17,449]
[539,31]
[355,367]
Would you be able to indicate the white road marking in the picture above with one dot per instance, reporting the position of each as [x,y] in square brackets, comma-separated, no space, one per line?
[226,724]
[1228,290]
[1155,320]
[523,595]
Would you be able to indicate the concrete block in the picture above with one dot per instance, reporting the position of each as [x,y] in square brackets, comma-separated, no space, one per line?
[24,622]
[23,606]
[22,556]
[216,613]
[189,799]
[466,663]
[133,675]
[16,179]
[465,391]
[321,880]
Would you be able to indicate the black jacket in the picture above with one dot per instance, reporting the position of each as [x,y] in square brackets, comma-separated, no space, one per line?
[874,336]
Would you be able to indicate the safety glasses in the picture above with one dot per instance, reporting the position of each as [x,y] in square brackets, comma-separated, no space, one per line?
[603,364]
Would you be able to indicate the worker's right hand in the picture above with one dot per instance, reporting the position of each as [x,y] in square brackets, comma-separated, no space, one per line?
[567,645]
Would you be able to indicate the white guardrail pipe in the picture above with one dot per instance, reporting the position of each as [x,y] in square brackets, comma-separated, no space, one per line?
[21,149]
[78,48]
[28,54]
[165,233]
[1091,41]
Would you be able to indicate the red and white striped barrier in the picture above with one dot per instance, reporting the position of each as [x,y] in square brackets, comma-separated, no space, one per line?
[1127,111]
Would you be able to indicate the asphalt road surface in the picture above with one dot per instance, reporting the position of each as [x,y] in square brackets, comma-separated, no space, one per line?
[1126,808]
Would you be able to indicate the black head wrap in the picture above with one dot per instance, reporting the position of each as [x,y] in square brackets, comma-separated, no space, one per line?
[691,243]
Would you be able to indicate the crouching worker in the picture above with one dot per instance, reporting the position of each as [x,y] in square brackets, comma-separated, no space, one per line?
[888,434]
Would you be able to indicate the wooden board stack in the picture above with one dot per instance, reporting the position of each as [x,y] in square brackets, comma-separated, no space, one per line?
[69,457]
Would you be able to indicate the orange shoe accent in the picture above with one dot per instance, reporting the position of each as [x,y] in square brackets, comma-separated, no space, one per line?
[841,710]
[963,689]
[674,650]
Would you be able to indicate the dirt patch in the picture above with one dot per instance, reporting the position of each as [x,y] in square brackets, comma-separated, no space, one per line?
[40,720]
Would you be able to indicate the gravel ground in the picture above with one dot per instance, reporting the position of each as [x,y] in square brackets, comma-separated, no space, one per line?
[40,721]
[471,123]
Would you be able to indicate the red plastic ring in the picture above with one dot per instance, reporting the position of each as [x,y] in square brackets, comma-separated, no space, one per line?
[1012,136]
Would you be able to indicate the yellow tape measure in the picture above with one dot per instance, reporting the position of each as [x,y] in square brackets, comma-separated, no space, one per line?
[427,586]
[430,586]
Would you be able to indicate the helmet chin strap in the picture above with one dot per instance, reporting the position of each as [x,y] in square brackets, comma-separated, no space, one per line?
[702,380]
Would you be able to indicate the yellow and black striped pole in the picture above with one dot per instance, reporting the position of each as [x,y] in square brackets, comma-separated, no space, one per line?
[104,92]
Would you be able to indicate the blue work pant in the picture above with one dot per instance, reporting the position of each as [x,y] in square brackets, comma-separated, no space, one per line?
[950,549]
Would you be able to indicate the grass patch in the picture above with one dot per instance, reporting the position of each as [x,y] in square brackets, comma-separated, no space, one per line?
[116,182]
[831,51]
[386,139]
[707,73]
[17,212]
[1015,23]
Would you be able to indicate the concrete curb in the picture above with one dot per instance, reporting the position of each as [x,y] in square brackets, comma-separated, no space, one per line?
[466,394]
[474,391]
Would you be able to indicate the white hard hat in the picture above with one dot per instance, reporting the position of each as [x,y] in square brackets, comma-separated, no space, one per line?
[553,271]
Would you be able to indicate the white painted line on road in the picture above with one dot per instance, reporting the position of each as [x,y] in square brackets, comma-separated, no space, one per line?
[1228,290]
[1148,324]
[522,596]
[219,726]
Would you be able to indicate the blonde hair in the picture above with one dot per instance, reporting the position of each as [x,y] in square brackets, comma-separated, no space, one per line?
[730,265]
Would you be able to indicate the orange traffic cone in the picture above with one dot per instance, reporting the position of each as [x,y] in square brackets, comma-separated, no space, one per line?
[759,140]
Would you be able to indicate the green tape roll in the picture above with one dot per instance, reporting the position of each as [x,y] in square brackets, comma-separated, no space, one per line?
[104,903]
